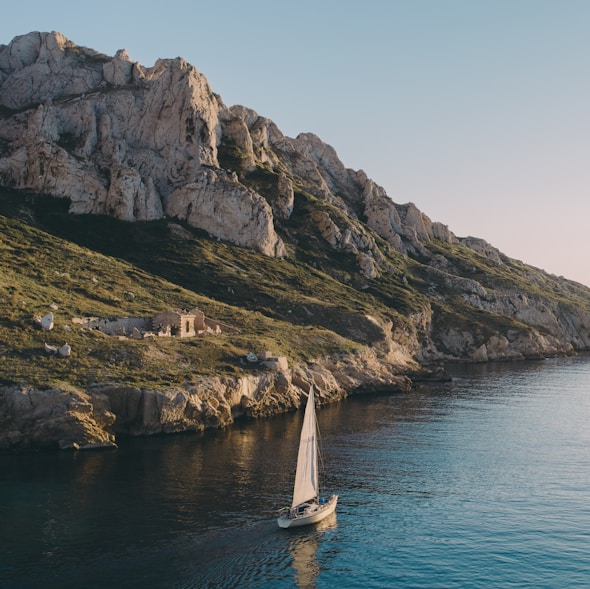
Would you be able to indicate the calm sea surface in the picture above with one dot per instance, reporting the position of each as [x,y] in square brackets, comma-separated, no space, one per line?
[477,483]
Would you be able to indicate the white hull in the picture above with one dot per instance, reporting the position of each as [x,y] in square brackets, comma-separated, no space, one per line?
[311,515]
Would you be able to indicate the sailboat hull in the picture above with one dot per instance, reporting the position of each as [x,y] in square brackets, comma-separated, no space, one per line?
[312,514]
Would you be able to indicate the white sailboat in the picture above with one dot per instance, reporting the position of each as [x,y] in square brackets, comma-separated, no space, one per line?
[307,507]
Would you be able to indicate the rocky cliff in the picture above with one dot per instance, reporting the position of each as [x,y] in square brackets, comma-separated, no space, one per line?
[112,137]
[137,143]
[71,418]
[120,139]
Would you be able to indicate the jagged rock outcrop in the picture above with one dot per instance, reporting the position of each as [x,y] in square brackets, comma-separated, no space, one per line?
[74,419]
[136,143]
[540,326]
[222,206]
[119,139]
[403,226]
[63,418]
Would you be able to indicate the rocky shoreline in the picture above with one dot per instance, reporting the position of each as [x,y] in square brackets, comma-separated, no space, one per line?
[114,138]
[70,418]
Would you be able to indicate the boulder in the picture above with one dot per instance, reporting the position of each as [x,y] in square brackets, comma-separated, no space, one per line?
[65,419]
[47,322]
[65,351]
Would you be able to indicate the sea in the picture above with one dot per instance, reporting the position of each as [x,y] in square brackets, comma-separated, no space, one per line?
[479,482]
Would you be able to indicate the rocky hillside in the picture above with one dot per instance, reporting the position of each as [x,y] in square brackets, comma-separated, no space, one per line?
[272,225]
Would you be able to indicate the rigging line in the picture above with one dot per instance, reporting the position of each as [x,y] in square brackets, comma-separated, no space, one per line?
[320,454]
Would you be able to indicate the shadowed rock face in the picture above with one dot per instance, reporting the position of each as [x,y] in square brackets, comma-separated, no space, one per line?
[67,419]
[136,143]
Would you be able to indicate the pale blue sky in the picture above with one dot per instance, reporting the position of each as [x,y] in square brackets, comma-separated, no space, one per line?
[478,111]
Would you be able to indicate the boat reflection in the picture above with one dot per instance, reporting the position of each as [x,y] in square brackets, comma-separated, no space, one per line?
[303,547]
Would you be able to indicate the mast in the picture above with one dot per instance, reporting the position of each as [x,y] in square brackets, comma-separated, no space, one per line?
[306,476]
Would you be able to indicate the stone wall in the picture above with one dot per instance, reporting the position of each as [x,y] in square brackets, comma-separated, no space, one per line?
[181,324]
[122,326]
[218,326]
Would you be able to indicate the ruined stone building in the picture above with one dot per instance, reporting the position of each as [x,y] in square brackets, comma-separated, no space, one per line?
[179,323]
[164,324]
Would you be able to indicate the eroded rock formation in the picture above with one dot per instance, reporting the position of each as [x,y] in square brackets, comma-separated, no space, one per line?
[63,418]
[136,143]
[75,419]
[120,139]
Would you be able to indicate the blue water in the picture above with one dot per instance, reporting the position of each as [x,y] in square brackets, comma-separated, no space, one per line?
[477,483]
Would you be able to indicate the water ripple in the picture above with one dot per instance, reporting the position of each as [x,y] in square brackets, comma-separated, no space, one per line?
[474,484]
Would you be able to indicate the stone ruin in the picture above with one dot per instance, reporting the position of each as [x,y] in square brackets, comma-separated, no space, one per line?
[179,324]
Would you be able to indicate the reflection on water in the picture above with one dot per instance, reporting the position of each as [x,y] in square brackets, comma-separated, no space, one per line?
[481,482]
[303,547]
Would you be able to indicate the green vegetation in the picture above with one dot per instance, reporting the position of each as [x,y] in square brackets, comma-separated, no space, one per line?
[307,289]
[39,269]
[312,304]
[511,275]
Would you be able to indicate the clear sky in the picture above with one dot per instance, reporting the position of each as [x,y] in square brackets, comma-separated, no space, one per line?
[478,111]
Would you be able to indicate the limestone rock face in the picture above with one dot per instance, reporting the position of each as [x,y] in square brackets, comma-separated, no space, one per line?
[317,167]
[403,226]
[119,139]
[219,204]
[140,143]
[517,346]
[285,201]
[351,374]
[81,420]
[483,247]
[543,327]
[35,69]
[71,419]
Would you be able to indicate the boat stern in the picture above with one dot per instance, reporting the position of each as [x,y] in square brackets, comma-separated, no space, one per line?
[307,514]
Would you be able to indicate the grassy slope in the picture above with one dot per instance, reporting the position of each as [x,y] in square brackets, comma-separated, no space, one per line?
[450,308]
[511,278]
[313,303]
[39,269]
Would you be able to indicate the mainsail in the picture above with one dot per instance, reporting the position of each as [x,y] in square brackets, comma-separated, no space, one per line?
[306,476]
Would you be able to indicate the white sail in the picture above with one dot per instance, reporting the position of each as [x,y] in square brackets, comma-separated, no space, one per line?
[306,476]
[307,507]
